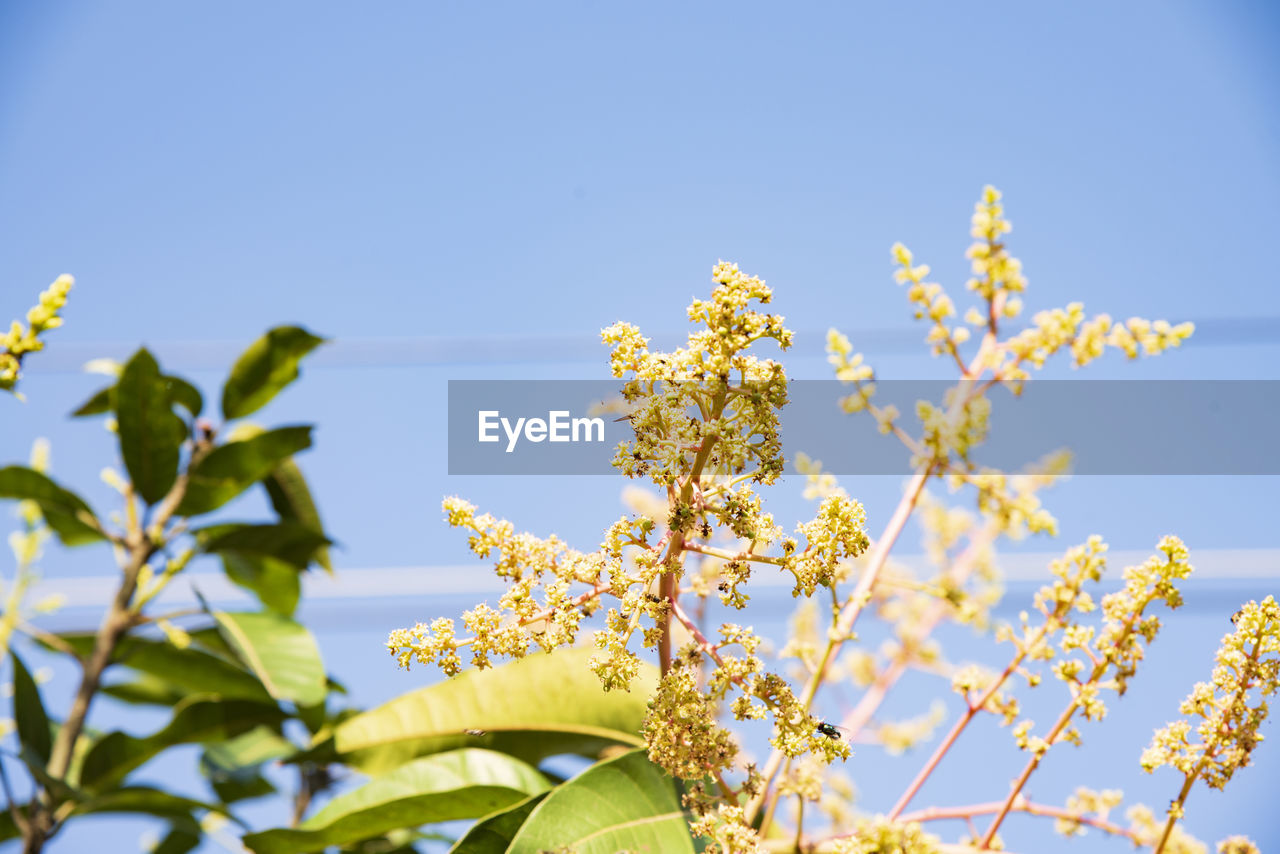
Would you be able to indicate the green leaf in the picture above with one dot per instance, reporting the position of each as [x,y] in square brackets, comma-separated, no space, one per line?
[186,671]
[179,840]
[291,498]
[98,404]
[536,707]
[623,804]
[270,364]
[281,653]
[492,834]
[28,712]
[230,469]
[150,434]
[67,513]
[184,394]
[289,542]
[461,784]
[233,767]
[146,690]
[196,719]
[178,390]
[149,801]
[276,584]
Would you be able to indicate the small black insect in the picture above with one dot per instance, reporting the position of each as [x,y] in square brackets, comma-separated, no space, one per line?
[831,731]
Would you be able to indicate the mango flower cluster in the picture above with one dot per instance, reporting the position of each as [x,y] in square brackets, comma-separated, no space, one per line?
[705,422]
[1231,706]
[21,340]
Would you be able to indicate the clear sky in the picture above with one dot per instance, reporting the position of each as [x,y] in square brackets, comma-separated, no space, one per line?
[520,175]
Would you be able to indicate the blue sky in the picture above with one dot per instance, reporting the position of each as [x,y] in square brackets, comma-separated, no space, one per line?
[529,173]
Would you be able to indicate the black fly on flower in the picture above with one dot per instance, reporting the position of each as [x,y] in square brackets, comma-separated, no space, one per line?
[834,732]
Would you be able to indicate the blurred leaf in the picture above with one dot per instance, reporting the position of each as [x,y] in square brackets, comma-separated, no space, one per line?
[492,834]
[291,498]
[184,394]
[150,434]
[178,390]
[270,364]
[179,840]
[622,804]
[146,690]
[276,584]
[98,404]
[230,469]
[233,767]
[150,801]
[532,708]
[461,784]
[252,748]
[65,511]
[28,712]
[283,654]
[197,719]
[289,542]
[187,671]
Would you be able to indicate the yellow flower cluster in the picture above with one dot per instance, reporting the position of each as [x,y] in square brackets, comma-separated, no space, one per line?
[1086,802]
[21,340]
[879,836]
[1232,706]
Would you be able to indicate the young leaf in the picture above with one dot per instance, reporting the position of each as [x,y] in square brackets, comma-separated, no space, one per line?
[232,468]
[67,513]
[28,712]
[493,834]
[281,653]
[532,708]
[197,719]
[622,804]
[461,784]
[270,364]
[150,434]
[291,498]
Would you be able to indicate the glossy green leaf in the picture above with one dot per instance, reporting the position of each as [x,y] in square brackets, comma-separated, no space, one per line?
[28,712]
[67,513]
[450,786]
[230,469]
[187,671]
[493,834]
[623,804]
[281,653]
[270,364]
[197,719]
[532,708]
[291,498]
[150,434]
